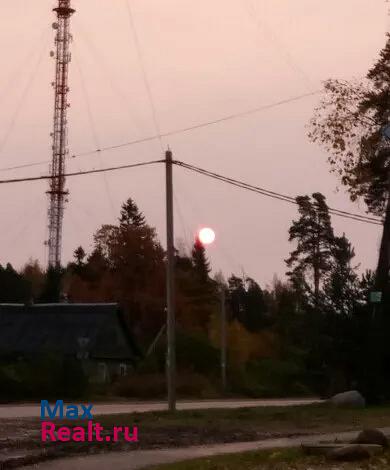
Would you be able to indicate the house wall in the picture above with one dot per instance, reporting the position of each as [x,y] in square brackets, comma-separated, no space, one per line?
[103,371]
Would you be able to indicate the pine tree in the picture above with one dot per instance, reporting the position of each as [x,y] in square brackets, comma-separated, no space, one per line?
[79,256]
[314,236]
[348,125]
[341,287]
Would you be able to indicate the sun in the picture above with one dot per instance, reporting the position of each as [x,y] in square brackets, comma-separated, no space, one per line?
[206,236]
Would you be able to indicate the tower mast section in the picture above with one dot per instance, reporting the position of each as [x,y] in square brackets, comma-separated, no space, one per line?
[57,191]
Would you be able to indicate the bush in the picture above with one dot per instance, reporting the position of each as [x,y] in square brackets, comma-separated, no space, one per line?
[153,386]
[269,378]
[196,354]
[48,377]
[193,385]
[193,353]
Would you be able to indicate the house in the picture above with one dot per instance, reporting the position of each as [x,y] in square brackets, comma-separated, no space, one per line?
[95,334]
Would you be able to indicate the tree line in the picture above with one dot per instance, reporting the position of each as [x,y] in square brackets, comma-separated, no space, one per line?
[304,333]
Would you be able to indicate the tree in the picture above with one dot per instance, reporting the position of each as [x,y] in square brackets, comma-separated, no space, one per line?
[341,288]
[314,236]
[52,289]
[236,297]
[13,286]
[130,215]
[79,256]
[256,308]
[348,124]
[200,262]
[35,276]
[247,303]
[126,266]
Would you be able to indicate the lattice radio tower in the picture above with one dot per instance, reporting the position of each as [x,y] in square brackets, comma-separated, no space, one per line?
[57,192]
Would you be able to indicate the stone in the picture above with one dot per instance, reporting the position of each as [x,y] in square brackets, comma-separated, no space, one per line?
[326,448]
[372,436]
[351,453]
[351,399]
[320,449]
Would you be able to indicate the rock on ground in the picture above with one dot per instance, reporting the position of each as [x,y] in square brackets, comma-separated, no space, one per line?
[351,453]
[351,399]
[372,436]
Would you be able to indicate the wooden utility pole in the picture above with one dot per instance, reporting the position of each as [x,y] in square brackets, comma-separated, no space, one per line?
[171,322]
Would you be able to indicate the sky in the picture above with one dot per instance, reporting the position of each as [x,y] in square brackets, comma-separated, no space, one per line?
[196,62]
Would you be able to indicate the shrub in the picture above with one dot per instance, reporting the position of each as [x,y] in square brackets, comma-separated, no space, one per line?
[269,378]
[195,353]
[193,385]
[151,385]
[45,377]
[188,385]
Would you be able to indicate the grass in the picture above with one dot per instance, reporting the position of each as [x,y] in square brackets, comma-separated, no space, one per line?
[159,430]
[275,460]
[278,420]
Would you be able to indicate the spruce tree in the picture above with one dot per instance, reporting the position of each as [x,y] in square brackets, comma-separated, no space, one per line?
[131,215]
[200,262]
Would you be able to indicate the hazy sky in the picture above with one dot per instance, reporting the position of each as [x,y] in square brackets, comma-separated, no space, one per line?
[204,60]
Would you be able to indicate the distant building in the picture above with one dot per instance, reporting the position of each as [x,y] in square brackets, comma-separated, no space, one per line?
[95,334]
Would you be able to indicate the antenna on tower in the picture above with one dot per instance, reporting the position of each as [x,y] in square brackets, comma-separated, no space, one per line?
[57,191]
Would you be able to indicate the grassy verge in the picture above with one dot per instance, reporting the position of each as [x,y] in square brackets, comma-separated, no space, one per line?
[286,420]
[277,460]
[202,427]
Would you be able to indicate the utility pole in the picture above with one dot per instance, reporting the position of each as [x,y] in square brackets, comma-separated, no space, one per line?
[57,191]
[223,337]
[171,322]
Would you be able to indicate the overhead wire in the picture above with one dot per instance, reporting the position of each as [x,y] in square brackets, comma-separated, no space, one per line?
[93,129]
[274,194]
[19,70]
[210,174]
[101,62]
[202,125]
[80,173]
[141,60]
[264,28]
[173,132]
[26,89]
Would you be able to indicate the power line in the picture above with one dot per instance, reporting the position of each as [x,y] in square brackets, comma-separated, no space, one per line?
[91,119]
[175,132]
[210,174]
[273,194]
[263,27]
[23,96]
[145,77]
[204,124]
[80,173]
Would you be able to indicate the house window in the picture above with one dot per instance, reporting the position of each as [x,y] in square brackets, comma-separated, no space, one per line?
[83,352]
[123,370]
[103,372]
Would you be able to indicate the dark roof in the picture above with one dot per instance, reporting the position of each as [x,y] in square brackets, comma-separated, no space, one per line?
[61,328]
